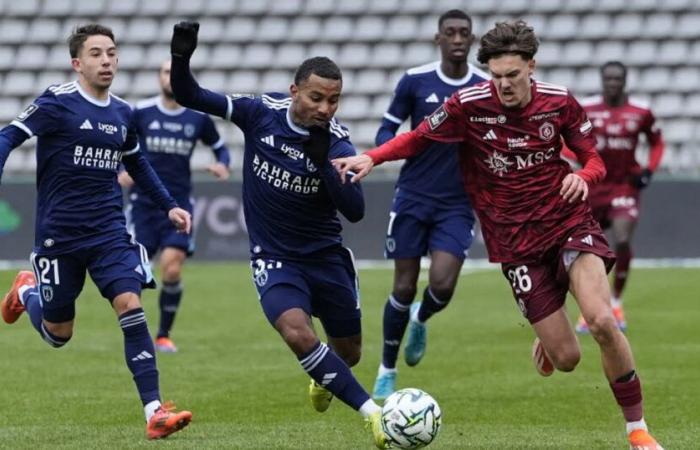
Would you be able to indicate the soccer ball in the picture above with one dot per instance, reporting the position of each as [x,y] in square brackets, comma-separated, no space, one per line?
[411,418]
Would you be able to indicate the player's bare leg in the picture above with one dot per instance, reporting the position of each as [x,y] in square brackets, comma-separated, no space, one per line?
[556,346]
[622,231]
[395,320]
[589,285]
[171,262]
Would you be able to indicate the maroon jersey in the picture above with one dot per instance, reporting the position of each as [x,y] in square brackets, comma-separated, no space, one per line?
[511,165]
[617,130]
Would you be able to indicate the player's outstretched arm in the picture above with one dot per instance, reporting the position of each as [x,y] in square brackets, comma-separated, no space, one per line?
[10,138]
[356,167]
[185,88]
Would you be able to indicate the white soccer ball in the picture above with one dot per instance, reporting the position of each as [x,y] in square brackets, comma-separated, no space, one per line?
[411,418]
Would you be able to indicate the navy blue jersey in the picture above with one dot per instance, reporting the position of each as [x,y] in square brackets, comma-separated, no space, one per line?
[432,176]
[288,209]
[168,138]
[81,142]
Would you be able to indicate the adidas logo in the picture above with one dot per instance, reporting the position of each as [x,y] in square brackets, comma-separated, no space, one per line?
[139,270]
[86,125]
[327,378]
[588,240]
[155,125]
[432,98]
[142,356]
[490,136]
[269,140]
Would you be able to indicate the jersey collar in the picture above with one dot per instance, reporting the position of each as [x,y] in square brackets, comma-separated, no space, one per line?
[169,112]
[452,81]
[296,128]
[91,99]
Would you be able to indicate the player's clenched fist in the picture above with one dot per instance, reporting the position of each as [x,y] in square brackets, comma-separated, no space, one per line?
[184,39]
[181,219]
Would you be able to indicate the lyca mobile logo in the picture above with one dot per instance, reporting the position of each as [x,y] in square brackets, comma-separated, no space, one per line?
[9,219]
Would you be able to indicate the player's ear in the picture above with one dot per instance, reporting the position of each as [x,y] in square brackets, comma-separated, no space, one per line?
[531,66]
[293,90]
[75,63]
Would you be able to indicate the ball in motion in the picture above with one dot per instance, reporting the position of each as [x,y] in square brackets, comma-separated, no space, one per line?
[411,418]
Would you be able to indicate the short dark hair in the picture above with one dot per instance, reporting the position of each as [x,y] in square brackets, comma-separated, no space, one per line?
[82,32]
[454,14]
[511,37]
[614,64]
[319,65]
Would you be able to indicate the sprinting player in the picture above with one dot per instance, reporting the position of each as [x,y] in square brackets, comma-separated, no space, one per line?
[430,212]
[531,206]
[291,199]
[84,133]
[618,120]
[168,133]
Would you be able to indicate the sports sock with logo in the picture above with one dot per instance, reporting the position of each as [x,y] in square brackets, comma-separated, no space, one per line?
[140,354]
[394,326]
[170,296]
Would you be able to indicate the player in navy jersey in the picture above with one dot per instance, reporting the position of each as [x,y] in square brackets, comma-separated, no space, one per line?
[532,207]
[291,199]
[84,133]
[168,133]
[431,211]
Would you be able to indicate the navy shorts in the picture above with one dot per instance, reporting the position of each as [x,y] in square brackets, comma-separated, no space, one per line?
[326,288]
[416,228]
[152,228]
[115,267]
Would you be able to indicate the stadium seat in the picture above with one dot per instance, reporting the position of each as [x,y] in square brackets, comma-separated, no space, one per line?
[338,29]
[121,85]
[323,49]
[319,7]
[577,53]
[20,84]
[676,5]
[679,131]
[418,53]
[386,56]
[353,55]
[57,8]
[610,6]
[641,53]
[370,82]
[289,56]
[89,8]
[30,57]
[370,28]
[688,26]
[626,26]
[549,54]
[243,81]
[24,8]
[426,29]
[304,29]
[561,76]
[667,105]
[537,21]
[685,79]
[239,30]
[277,81]
[21,160]
[380,104]
[257,56]
[655,79]
[354,7]
[385,7]
[57,58]
[43,31]
[673,52]
[9,109]
[7,57]
[13,31]
[145,84]
[123,8]
[545,6]
[225,56]
[220,8]
[579,6]
[155,55]
[513,6]
[400,28]
[354,108]
[285,8]
[694,53]
[363,132]
[272,29]
[419,7]
[214,80]
[200,59]
[609,51]
[659,26]
[252,7]
[633,80]
[561,27]
[594,26]
[587,81]
[188,8]
[131,57]
[142,31]
[692,106]
[155,8]
[641,5]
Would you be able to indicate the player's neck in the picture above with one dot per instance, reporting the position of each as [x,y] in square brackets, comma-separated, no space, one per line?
[169,103]
[454,71]
[101,94]
[615,101]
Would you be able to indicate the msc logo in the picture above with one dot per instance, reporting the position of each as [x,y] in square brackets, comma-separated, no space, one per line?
[499,163]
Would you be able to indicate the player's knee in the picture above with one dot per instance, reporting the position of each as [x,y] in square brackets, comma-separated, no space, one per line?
[300,339]
[172,273]
[351,355]
[404,292]
[602,327]
[56,335]
[442,290]
[566,359]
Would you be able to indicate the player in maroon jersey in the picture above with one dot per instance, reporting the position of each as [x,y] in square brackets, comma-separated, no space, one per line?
[618,120]
[531,207]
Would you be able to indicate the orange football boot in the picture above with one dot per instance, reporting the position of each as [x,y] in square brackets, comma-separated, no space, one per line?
[11,306]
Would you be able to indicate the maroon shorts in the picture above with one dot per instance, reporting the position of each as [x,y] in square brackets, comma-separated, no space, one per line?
[540,287]
[610,201]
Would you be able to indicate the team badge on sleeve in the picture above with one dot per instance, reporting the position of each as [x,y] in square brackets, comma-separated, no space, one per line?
[437,118]
[28,111]
[586,127]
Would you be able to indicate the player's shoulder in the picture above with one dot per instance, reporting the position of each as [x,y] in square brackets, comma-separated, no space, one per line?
[639,103]
[146,103]
[119,102]
[338,130]
[58,92]
[477,73]
[275,100]
[478,92]
[551,89]
[423,69]
[591,101]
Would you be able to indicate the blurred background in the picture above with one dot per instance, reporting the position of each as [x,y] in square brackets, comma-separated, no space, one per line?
[254,46]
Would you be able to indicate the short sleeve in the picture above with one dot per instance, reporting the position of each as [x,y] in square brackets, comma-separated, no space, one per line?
[576,129]
[402,102]
[40,117]
[445,124]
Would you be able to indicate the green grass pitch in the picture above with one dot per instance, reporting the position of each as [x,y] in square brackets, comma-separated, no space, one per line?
[247,390]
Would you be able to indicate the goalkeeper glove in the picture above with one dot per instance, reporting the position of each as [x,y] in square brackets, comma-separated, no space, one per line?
[643,179]
[184,39]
